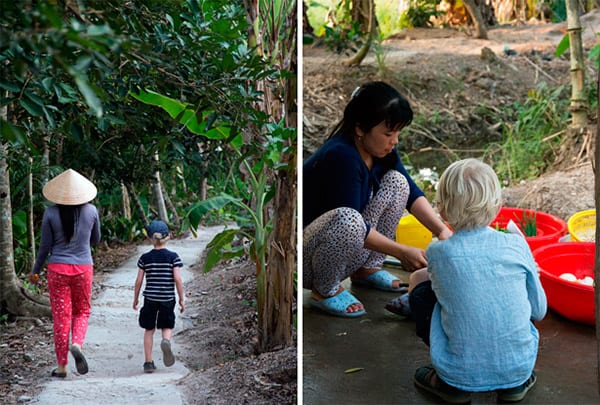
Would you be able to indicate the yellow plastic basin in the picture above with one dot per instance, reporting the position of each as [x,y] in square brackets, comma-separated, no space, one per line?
[412,233]
[582,226]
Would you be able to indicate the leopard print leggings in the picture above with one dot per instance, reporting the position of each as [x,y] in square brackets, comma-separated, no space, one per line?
[333,244]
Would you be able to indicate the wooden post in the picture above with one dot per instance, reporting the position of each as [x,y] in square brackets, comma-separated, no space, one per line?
[596,161]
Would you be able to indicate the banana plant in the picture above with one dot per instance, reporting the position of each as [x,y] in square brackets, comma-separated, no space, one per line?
[258,192]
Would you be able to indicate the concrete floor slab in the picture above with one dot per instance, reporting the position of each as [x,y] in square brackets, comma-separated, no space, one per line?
[387,349]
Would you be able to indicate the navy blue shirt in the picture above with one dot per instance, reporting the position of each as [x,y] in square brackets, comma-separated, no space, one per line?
[158,265]
[336,176]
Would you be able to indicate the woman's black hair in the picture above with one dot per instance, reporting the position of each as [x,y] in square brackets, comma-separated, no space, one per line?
[371,104]
[69,215]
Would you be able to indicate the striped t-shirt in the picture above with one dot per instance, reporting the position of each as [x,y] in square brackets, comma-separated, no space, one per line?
[158,265]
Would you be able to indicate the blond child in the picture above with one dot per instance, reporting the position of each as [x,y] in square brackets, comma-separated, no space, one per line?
[161,268]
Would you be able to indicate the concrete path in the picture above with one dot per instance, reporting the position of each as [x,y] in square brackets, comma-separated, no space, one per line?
[114,343]
[385,346]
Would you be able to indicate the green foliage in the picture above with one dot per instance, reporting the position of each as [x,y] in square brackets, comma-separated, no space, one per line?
[526,152]
[118,228]
[252,220]
[221,247]
[198,210]
[380,55]
[34,288]
[68,85]
[559,10]
[419,14]
[345,39]
[562,46]
[20,239]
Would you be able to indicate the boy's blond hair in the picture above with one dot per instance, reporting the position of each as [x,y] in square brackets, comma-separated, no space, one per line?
[469,194]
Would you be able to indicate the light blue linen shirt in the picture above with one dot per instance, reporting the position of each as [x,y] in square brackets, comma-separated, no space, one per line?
[488,291]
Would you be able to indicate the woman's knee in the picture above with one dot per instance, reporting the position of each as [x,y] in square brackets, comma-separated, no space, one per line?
[349,219]
[395,179]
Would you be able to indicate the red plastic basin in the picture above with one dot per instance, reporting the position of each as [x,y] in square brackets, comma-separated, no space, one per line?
[571,299]
[549,228]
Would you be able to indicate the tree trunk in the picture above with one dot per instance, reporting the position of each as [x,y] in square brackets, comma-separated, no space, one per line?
[282,259]
[176,220]
[30,228]
[578,106]
[281,265]
[125,202]
[13,297]
[138,204]
[204,189]
[158,195]
[46,159]
[275,292]
[365,10]
[478,22]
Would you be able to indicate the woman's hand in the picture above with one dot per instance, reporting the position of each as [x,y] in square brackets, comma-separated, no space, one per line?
[34,278]
[445,234]
[412,258]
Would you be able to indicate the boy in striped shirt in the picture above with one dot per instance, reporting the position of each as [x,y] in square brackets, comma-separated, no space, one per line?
[161,268]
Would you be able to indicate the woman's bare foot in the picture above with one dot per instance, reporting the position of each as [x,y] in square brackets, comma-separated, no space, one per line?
[351,308]
[364,273]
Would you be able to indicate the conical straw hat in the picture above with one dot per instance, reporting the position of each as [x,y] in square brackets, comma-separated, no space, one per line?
[69,188]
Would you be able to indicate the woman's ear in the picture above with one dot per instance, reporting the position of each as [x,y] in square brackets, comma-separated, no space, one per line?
[359,132]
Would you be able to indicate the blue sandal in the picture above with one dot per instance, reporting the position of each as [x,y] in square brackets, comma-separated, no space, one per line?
[380,280]
[337,305]
[399,306]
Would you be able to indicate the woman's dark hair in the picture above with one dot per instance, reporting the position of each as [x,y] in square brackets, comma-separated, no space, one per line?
[371,104]
[69,215]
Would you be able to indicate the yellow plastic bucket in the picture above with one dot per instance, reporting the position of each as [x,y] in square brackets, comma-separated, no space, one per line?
[412,233]
[582,226]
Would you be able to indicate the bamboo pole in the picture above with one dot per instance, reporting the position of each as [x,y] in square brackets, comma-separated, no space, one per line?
[578,106]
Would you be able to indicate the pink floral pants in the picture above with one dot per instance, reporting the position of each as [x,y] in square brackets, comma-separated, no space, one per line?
[70,298]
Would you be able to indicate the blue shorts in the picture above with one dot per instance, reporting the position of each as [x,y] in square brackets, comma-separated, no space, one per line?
[157,314]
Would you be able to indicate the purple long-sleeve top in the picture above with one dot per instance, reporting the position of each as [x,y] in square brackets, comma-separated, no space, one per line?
[78,250]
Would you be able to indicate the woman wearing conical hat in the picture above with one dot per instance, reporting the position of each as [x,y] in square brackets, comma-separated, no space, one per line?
[69,228]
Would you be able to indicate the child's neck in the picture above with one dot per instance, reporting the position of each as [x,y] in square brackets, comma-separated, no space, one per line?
[160,245]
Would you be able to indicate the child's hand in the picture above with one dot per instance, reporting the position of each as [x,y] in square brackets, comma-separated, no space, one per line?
[135,303]
[181,306]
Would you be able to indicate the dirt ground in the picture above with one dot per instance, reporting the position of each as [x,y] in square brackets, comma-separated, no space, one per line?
[218,340]
[221,345]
